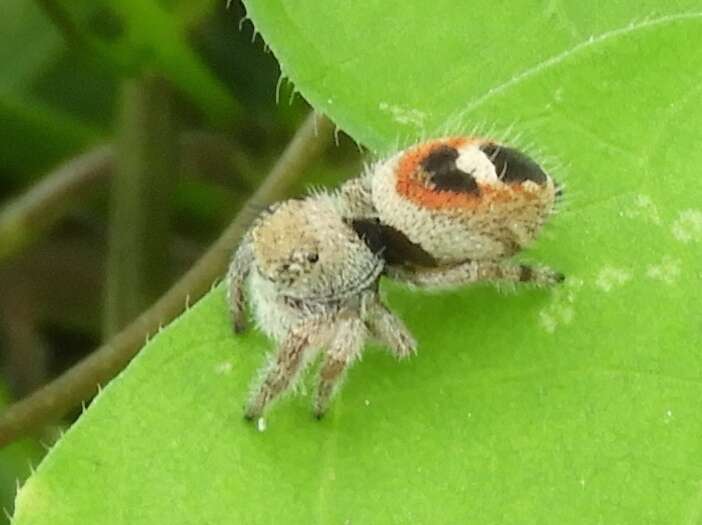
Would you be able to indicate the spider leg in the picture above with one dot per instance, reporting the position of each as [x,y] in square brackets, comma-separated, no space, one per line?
[356,199]
[238,272]
[344,348]
[476,271]
[387,327]
[283,369]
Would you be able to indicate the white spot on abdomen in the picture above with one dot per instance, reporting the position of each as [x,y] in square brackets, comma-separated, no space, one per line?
[473,161]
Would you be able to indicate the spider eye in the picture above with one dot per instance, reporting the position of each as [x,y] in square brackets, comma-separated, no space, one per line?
[313,257]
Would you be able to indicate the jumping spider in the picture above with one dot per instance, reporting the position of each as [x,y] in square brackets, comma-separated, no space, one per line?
[467,203]
[443,213]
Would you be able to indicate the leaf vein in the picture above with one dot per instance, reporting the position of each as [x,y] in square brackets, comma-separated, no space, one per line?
[560,57]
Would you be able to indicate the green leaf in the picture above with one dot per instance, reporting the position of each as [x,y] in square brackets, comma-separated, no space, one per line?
[15,463]
[573,405]
[133,37]
[156,34]
[27,42]
[33,134]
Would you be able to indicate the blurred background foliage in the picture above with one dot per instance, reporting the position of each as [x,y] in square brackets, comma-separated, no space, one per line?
[78,81]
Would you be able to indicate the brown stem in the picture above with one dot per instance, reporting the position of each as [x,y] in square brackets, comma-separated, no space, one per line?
[23,219]
[81,382]
[26,218]
[24,350]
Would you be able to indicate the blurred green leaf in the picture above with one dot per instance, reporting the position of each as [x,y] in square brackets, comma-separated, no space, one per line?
[572,405]
[189,13]
[252,75]
[39,89]
[32,133]
[15,464]
[28,42]
[155,35]
[134,37]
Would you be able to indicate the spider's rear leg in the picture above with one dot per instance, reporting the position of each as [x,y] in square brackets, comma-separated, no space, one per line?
[476,271]
[388,328]
[343,349]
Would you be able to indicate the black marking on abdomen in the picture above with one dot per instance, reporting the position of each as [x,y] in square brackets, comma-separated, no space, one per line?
[391,244]
[443,173]
[512,165]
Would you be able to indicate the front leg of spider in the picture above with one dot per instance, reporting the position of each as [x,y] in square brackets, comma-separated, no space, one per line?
[344,348]
[283,368]
[239,270]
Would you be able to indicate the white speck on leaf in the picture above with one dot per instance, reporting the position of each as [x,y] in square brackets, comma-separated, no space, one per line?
[261,424]
[558,94]
[644,208]
[405,116]
[668,270]
[668,416]
[610,278]
[547,321]
[561,310]
[224,367]
[567,314]
[688,226]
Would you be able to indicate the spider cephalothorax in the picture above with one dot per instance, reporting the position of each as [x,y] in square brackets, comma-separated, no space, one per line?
[312,280]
